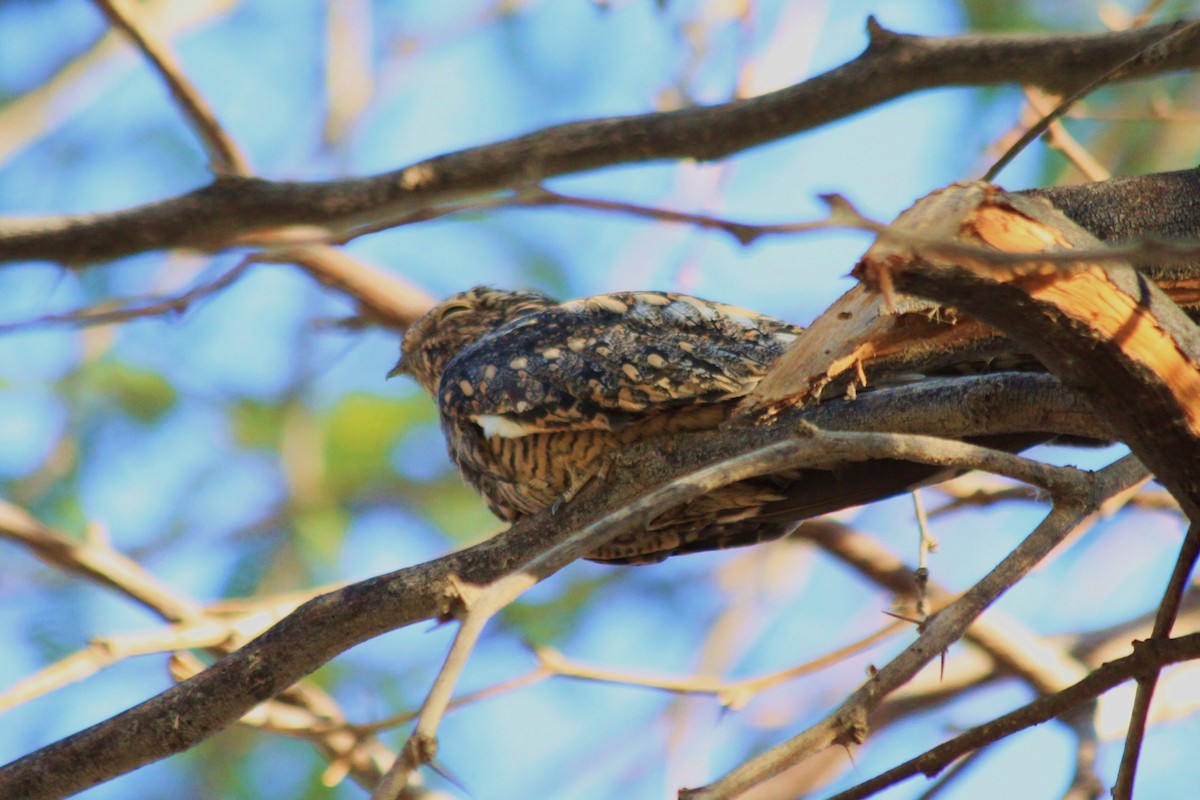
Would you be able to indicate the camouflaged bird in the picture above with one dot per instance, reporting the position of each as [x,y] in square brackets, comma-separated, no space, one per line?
[534,394]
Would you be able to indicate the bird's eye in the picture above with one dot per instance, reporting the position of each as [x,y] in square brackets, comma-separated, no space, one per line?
[451,310]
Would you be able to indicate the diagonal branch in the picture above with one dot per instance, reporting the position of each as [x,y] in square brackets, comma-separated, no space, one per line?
[812,447]
[1152,656]
[848,723]
[233,211]
[223,153]
[319,630]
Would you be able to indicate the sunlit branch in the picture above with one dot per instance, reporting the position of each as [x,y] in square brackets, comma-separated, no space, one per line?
[1151,656]
[847,724]
[235,210]
[224,155]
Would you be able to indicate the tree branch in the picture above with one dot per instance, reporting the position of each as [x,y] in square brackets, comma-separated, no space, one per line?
[1103,328]
[848,723]
[1149,656]
[234,211]
[328,625]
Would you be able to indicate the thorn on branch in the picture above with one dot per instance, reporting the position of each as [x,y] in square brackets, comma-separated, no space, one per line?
[879,37]
[853,729]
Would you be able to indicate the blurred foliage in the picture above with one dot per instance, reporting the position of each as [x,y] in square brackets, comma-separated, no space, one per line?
[144,395]
[550,621]
[991,17]
[361,431]
[256,424]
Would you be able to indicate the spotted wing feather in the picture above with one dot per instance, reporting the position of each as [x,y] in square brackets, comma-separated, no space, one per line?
[604,360]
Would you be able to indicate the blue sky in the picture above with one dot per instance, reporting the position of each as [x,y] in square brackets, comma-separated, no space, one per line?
[185,496]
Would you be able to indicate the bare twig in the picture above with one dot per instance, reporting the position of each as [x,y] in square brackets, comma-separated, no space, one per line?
[134,308]
[80,81]
[844,216]
[847,724]
[96,562]
[1147,657]
[1066,144]
[1151,52]
[224,155]
[1164,621]
[250,210]
[733,695]
[541,673]
[1085,783]
[744,232]
[1011,647]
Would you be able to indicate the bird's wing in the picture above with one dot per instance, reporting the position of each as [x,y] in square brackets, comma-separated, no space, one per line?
[601,361]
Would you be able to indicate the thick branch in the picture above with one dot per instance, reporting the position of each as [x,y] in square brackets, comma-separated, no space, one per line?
[1161,206]
[326,626]
[233,210]
[1103,328]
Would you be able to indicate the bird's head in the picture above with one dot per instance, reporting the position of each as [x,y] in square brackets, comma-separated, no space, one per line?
[455,323]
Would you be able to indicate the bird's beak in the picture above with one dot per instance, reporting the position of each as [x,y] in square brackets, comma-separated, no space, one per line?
[400,369]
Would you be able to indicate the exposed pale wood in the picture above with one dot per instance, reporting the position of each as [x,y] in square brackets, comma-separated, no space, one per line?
[1103,328]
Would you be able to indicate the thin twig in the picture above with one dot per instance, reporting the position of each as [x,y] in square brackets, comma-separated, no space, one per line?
[733,695]
[925,545]
[1176,35]
[80,81]
[541,673]
[1168,611]
[224,156]
[1085,783]
[1075,500]
[1012,648]
[1151,657]
[745,233]
[137,308]
[96,562]
[1061,139]
[956,771]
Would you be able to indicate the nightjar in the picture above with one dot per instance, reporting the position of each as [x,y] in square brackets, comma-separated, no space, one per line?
[534,395]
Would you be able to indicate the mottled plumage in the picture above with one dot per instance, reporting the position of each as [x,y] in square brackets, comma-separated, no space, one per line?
[534,394]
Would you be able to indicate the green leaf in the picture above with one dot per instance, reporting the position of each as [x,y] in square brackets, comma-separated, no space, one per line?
[321,531]
[255,424]
[360,432]
[144,395]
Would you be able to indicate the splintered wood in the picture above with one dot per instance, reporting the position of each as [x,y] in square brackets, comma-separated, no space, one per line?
[870,334]
[1098,324]
[862,339]
[980,257]
[949,274]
